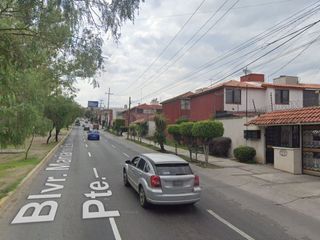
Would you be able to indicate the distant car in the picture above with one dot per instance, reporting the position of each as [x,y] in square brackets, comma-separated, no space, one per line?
[161,179]
[77,123]
[95,126]
[93,135]
[86,128]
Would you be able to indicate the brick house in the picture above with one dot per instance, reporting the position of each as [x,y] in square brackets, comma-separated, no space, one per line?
[142,111]
[177,107]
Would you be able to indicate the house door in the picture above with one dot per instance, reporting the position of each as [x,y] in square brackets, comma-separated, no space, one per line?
[273,136]
[311,149]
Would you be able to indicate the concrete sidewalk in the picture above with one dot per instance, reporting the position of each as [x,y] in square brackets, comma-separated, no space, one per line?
[298,192]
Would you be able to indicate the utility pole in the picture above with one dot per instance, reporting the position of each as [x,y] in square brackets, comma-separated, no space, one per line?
[129,116]
[108,105]
[108,93]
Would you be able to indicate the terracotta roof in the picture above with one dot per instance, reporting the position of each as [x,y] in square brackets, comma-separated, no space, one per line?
[230,83]
[297,86]
[287,117]
[234,83]
[144,119]
[182,96]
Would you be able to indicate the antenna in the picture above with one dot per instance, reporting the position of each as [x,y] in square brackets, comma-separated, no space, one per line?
[246,71]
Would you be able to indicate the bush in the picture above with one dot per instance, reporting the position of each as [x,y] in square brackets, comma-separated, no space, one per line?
[244,153]
[220,147]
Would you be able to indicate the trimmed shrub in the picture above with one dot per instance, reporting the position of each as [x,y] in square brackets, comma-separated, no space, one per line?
[182,120]
[244,153]
[220,147]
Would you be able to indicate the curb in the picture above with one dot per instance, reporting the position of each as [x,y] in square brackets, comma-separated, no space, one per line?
[34,170]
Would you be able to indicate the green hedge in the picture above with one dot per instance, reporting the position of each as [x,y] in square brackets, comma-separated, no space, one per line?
[244,153]
[220,146]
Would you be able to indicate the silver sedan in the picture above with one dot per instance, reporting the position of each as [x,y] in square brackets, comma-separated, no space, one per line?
[161,179]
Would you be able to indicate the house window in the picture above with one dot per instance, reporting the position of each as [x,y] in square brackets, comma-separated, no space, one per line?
[149,111]
[139,110]
[282,96]
[185,104]
[311,98]
[233,96]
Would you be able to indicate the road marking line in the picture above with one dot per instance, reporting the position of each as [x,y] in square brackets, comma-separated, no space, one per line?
[113,146]
[126,154]
[95,172]
[115,229]
[89,154]
[44,196]
[243,234]
[86,145]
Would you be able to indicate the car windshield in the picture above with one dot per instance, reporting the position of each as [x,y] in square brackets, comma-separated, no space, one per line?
[174,169]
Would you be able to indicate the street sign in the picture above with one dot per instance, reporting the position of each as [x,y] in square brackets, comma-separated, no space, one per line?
[93,104]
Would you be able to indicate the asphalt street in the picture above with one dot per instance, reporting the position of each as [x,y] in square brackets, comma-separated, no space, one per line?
[79,194]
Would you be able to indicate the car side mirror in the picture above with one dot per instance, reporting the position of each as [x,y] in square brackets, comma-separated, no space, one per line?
[128,162]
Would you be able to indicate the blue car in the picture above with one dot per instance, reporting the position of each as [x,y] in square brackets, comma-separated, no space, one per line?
[93,135]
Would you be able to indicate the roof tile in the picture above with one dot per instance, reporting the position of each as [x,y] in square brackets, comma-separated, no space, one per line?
[292,116]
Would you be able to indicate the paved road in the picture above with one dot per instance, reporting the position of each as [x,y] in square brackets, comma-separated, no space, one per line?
[54,205]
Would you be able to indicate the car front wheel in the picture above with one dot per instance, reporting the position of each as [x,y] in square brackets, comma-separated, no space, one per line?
[142,198]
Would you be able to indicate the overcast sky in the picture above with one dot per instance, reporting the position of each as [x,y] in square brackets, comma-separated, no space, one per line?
[128,70]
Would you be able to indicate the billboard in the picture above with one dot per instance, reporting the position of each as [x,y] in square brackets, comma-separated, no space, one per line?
[93,104]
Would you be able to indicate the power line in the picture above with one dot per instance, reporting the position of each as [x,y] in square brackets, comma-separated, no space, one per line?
[276,28]
[187,42]
[302,30]
[168,44]
[295,57]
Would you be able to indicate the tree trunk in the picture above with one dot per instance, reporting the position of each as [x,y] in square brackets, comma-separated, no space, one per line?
[162,147]
[206,151]
[190,153]
[176,148]
[26,155]
[57,133]
[50,134]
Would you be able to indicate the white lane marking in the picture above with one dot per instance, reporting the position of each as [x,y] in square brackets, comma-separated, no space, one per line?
[126,154]
[89,154]
[95,172]
[44,196]
[86,145]
[243,234]
[115,229]
[113,146]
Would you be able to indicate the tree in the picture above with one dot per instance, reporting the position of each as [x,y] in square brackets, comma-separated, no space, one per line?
[142,129]
[159,135]
[133,131]
[118,124]
[185,130]
[45,46]
[205,131]
[174,130]
[61,111]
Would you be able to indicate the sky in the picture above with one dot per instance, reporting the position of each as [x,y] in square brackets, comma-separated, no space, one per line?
[175,46]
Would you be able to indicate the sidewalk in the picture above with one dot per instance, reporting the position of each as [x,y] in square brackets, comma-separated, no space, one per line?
[298,192]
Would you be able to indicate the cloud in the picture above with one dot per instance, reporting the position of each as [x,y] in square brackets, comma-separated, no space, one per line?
[158,22]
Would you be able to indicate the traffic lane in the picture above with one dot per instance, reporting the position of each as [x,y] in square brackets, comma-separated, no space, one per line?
[271,221]
[246,220]
[33,187]
[67,222]
[158,222]
[124,146]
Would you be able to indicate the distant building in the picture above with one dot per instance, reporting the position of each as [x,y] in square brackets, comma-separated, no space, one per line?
[140,112]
